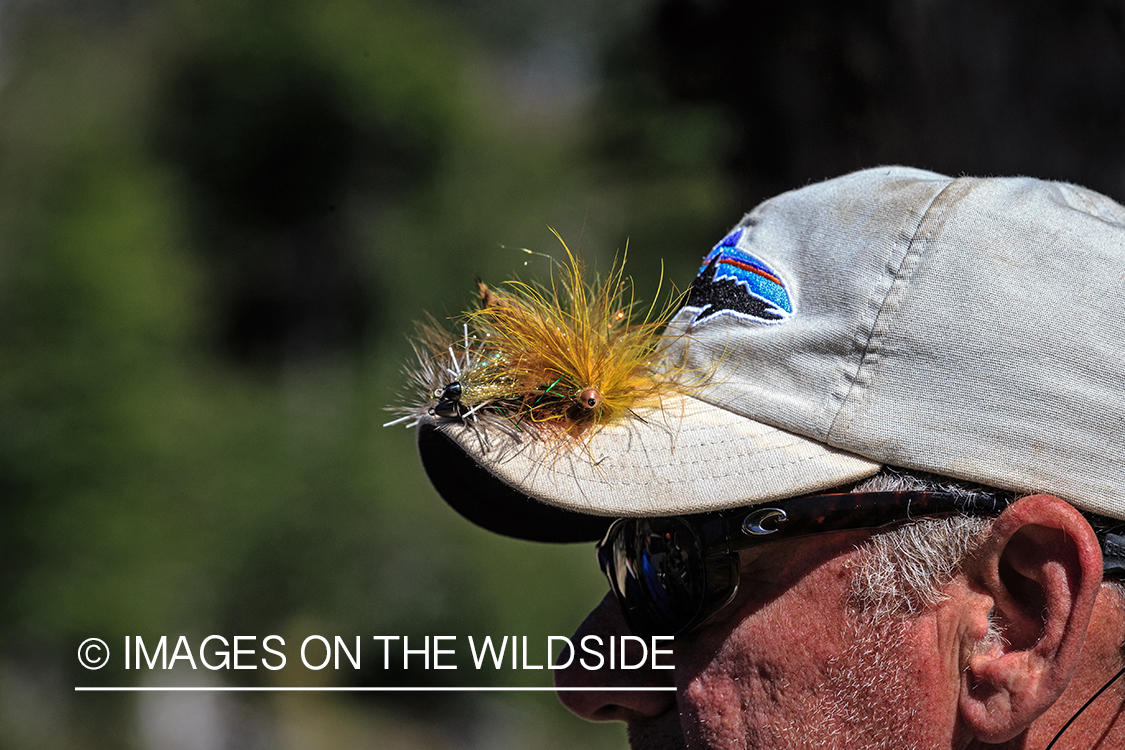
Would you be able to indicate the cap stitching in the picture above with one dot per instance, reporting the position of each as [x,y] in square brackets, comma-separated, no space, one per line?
[672,481]
[869,361]
[684,465]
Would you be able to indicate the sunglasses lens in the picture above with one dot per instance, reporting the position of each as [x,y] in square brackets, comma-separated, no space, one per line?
[655,569]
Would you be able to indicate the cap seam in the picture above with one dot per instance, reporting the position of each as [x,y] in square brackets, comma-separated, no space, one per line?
[868,365]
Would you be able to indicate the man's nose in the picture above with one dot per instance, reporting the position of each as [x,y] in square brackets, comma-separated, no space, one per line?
[625,704]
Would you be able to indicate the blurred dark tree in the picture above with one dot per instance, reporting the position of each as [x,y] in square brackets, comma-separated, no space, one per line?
[809,89]
[271,147]
[264,141]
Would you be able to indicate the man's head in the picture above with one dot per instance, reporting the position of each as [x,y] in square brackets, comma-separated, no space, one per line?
[928,634]
[968,331]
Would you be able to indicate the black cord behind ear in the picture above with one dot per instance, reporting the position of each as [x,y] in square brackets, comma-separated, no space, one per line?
[1086,705]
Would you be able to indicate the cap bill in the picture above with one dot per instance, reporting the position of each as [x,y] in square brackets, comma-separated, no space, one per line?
[685,456]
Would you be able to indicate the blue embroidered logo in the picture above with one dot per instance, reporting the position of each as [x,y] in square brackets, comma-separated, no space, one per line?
[734,282]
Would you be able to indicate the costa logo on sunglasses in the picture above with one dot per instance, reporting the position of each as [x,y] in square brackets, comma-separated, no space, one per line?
[734,282]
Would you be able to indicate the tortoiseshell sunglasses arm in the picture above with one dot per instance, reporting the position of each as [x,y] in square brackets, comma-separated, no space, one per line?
[841,511]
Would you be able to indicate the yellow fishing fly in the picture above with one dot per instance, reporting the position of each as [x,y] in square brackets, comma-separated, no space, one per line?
[554,360]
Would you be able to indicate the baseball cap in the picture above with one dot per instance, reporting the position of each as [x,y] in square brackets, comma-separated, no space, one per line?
[968,327]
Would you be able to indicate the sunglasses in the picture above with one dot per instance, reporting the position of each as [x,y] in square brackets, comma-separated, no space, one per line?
[671,574]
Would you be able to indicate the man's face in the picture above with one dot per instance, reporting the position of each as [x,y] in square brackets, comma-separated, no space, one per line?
[790,664]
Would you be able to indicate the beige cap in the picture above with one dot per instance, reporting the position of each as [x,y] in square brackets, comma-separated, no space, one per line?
[973,328]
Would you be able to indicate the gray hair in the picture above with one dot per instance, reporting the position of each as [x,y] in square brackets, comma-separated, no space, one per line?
[903,571]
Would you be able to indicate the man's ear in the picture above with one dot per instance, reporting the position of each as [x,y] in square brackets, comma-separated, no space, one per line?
[1041,566]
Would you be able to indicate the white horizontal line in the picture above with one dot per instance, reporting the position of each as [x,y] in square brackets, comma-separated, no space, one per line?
[162,689]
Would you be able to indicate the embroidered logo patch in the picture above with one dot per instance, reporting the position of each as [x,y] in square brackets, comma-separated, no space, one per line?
[734,282]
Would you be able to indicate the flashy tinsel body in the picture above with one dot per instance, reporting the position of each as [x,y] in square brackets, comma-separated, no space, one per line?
[553,361]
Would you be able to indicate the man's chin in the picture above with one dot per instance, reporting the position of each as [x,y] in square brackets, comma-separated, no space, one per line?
[661,733]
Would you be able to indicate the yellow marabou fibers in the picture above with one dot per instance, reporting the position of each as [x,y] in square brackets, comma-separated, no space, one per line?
[555,361]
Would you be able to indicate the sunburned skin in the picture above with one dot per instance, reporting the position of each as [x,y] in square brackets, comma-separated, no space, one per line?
[1022,636]
[777,670]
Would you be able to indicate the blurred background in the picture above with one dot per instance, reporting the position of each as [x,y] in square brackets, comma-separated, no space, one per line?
[218,219]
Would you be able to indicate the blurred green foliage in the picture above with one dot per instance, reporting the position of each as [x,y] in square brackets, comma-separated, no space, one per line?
[217,220]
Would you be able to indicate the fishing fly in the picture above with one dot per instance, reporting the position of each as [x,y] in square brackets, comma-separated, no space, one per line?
[554,360]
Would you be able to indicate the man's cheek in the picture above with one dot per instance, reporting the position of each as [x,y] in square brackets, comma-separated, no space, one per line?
[714,711]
